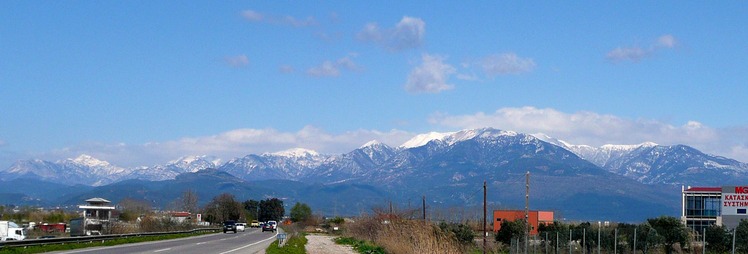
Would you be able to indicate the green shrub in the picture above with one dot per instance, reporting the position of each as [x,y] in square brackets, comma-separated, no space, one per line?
[463,233]
[360,246]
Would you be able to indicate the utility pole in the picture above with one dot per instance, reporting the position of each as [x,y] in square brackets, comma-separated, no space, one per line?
[598,236]
[570,237]
[734,232]
[703,241]
[634,239]
[424,208]
[527,209]
[584,240]
[484,217]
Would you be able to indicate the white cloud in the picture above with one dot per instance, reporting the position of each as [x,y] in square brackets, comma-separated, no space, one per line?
[286,69]
[508,63]
[577,128]
[431,76]
[407,34]
[598,129]
[232,144]
[326,69]
[237,61]
[333,68]
[255,16]
[633,54]
[347,63]
[252,15]
[636,54]
[667,41]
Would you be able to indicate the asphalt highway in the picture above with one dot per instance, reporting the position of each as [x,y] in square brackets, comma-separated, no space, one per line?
[251,241]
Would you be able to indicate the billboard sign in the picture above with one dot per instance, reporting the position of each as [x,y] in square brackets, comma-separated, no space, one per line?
[735,200]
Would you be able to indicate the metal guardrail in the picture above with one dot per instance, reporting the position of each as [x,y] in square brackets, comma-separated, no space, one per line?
[93,238]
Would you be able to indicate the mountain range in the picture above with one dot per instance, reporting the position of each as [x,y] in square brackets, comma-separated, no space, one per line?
[615,182]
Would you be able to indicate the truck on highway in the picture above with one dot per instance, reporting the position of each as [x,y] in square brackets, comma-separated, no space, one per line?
[11,231]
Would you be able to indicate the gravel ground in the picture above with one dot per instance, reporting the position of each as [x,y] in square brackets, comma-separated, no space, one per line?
[322,244]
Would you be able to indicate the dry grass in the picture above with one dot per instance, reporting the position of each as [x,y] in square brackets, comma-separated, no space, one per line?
[404,236]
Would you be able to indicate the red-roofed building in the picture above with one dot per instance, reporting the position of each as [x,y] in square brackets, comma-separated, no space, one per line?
[180,217]
[534,217]
[702,207]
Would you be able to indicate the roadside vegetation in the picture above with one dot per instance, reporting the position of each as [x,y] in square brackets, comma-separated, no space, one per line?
[400,232]
[360,246]
[663,234]
[294,245]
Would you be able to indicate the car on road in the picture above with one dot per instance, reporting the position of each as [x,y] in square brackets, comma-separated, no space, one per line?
[267,227]
[229,225]
[255,224]
[241,226]
[274,223]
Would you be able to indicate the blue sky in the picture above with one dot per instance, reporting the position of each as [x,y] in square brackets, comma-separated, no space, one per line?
[144,82]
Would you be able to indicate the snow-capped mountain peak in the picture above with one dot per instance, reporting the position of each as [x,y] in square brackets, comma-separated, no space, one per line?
[610,147]
[296,152]
[473,133]
[552,140]
[455,137]
[186,159]
[371,144]
[423,139]
[89,161]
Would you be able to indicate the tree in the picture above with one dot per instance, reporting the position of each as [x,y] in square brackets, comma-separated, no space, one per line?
[300,212]
[557,228]
[741,237]
[188,202]
[222,208]
[271,209]
[252,207]
[671,230]
[510,230]
[132,208]
[646,237]
[587,235]
[718,240]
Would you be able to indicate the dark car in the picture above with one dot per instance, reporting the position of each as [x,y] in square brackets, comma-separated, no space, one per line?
[229,225]
[268,227]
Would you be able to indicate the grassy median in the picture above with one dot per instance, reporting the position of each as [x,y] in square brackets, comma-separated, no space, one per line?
[294,245]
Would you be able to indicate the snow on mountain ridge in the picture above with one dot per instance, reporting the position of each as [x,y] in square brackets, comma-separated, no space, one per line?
[295,153]
[371,143]
[88,160]
[627,147]
[455,137]
[423,139]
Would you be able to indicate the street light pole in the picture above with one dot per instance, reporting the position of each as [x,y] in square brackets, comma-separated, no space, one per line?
[598,237]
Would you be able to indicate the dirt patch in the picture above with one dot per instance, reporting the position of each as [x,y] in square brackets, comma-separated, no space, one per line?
[322,244]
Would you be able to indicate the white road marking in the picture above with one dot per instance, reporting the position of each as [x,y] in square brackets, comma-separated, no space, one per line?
[245,246]
[162,250]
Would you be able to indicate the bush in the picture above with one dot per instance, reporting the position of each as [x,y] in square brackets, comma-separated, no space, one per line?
[463,233]
[360,246]
[162,224]
[337,220]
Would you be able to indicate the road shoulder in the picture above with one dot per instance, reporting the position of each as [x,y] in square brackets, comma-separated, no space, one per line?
[324,244]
